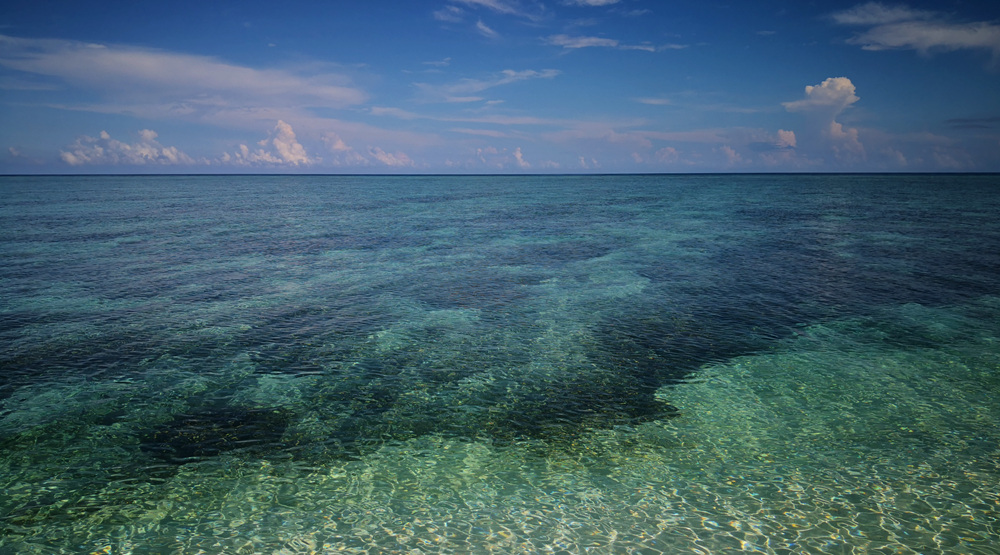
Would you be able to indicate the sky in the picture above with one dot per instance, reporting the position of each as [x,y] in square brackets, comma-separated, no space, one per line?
[498,86]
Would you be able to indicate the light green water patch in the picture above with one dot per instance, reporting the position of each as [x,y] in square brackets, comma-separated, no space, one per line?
[848,441]
[865,435]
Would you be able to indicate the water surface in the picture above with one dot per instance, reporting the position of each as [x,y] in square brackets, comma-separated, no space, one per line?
[649,364]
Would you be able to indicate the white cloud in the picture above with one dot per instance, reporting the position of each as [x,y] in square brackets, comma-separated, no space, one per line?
[667,154]
[170,83]
[567,41]
[103,150]
[335,143]
[391,111]
[786,139]
[439,63]
[290,150]
[654,101]
[835,94]
[343,155]
[397,159]
[281,148]
[824,135]
[732,157]
[925,36]
[521,162]
[500,159]
[574,42]
[876,13]
[450,14]
[465,89]
[503,7]
[900,27]
[486,31]
[482,132]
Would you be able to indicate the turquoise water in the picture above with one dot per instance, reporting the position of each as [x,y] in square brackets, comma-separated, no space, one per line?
[603,364]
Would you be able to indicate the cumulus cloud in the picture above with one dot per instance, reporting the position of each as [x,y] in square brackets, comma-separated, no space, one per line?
[833,94]
[500,159]
[103,150]
[521,162]
[822,104]
[667,154]
[281,148]
[901,27]
[344,155]
[786,139]
[732,157]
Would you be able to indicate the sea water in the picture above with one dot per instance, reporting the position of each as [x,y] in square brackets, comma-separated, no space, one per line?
[475,364]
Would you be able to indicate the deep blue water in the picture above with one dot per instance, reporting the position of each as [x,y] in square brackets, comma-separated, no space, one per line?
[279,364]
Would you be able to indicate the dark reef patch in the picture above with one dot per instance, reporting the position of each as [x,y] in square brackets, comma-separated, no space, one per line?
[210,431]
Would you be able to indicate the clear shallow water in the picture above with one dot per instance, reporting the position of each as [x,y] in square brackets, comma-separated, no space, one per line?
[779,364]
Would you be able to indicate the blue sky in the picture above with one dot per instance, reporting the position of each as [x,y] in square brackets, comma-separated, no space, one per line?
[498,86]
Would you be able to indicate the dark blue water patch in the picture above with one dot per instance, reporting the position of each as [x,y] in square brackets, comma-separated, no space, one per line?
[304,339]
[210,431]
[472,286]
[554,253]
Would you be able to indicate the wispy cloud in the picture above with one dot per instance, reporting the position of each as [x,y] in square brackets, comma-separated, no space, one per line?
[449,14]
[567,41]
[591,2]
[573,42]
[656,101]
[439,63]
[486,31]
[129,75]
[901,27]
[505,7]
[496,119]
[481,132]
[876,13]
[465,90]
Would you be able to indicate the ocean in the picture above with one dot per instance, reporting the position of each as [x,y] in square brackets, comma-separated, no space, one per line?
[500,364]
